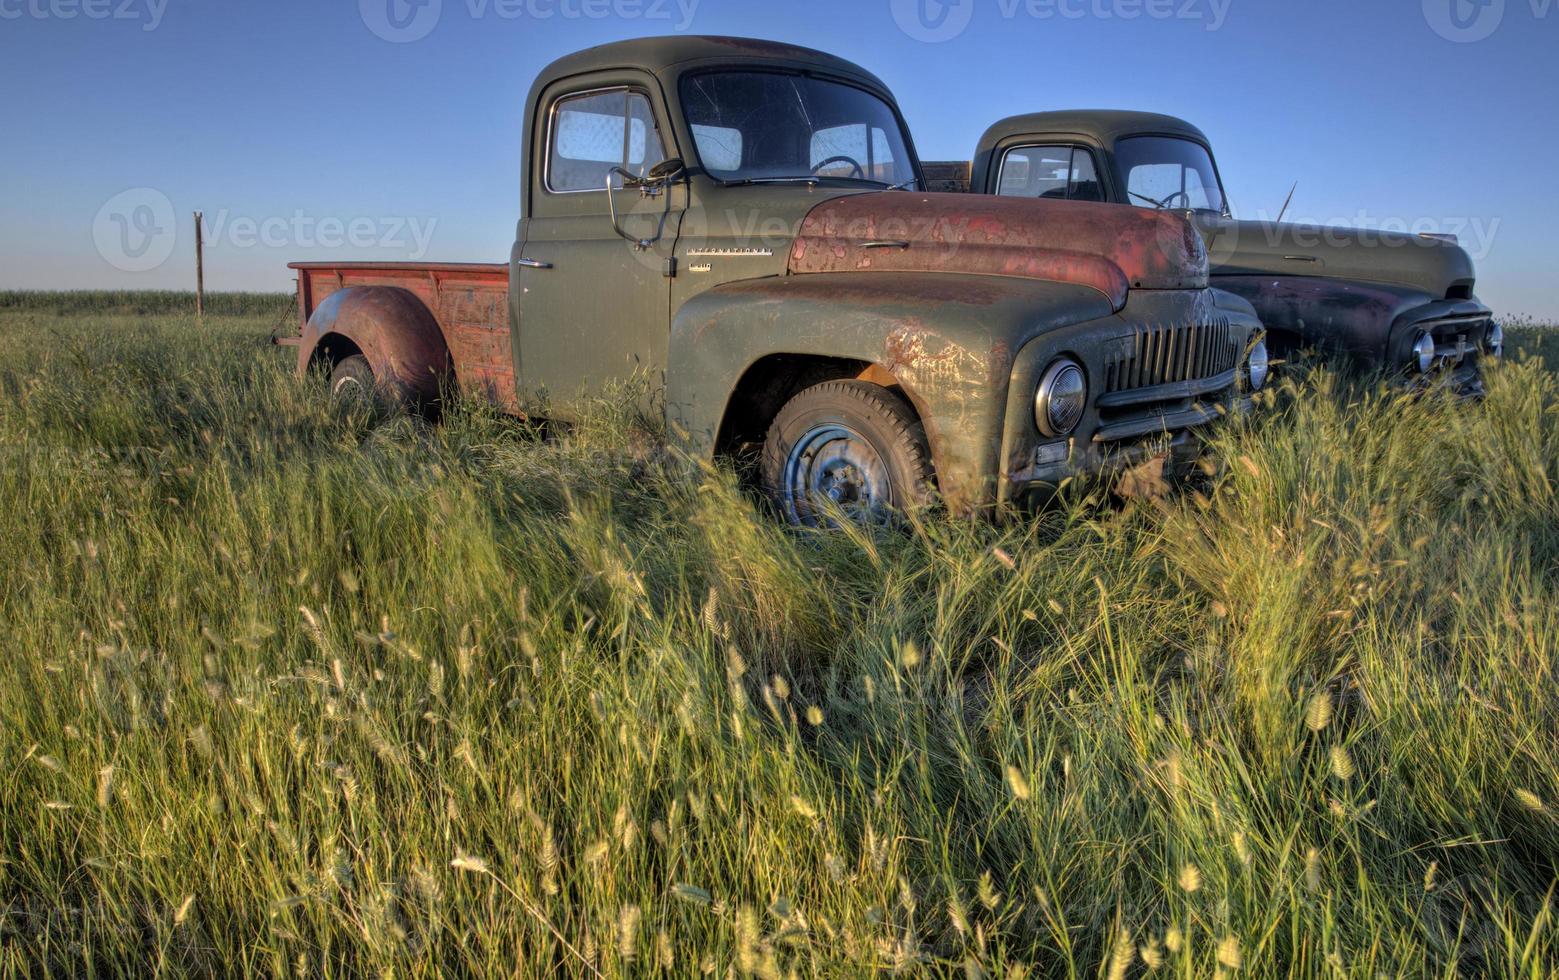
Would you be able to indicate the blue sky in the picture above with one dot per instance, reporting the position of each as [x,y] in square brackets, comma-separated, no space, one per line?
[304,134]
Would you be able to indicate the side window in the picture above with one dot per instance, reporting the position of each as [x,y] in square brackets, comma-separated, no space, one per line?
[1052,172]
[1036,171]
[1085,178]
[593,133]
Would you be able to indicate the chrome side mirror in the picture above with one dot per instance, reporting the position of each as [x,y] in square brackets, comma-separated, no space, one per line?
[665,172]
[652,184]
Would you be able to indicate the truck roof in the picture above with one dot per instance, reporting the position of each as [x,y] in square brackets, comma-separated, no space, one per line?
[657,54]
[1103,125]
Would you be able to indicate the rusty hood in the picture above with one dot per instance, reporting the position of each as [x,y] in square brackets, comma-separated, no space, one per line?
[1111,247]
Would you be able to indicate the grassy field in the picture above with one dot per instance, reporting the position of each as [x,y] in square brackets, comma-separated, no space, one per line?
[288,691]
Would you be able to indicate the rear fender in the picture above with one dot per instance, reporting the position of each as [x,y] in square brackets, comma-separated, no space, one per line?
[947,341]
[393,328]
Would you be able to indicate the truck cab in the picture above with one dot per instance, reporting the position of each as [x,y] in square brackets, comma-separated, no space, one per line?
[1398,302]
[746,225]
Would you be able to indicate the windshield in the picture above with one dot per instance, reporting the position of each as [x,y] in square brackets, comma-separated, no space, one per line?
[1167,173]
[772,126]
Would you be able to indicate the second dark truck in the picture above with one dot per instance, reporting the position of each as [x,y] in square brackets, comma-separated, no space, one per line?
[1383,300]
[745,224]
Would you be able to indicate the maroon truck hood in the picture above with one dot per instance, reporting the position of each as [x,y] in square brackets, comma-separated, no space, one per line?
[1110,247]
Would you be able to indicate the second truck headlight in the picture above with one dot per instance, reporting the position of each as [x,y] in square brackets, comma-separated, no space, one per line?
[1494,341]
[1424,352]
[1061,398]
[1258,365]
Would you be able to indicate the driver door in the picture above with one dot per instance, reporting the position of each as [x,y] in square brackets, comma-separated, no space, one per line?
[594,309]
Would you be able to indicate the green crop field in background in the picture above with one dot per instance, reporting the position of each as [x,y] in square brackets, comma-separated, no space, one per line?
[287,689]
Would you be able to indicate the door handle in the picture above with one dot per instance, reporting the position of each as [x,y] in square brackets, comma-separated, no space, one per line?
[533,263]
[885,244]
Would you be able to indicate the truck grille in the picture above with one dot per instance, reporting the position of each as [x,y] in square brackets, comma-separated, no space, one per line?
[1165,355]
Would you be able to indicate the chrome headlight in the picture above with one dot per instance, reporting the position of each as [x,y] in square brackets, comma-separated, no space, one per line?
[1061,398]
[1494,341]
[1258,365]
[1423,352]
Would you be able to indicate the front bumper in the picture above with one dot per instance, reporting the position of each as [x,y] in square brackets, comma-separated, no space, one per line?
[1169,365]
[1460,330]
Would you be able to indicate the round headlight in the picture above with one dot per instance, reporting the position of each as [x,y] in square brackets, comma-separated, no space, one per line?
[1423,352]
[1061,398]
[1258,365]
[1494,340]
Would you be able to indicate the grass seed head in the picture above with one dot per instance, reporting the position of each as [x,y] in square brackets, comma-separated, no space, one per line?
[1341,763]
[1190,879]
[1229,952]
[470,864]
[1319,712]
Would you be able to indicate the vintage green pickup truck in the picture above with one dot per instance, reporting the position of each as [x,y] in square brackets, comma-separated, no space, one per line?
[745,223]
[1383,299]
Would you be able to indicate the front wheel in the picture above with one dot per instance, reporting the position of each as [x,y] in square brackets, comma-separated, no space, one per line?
[851,445]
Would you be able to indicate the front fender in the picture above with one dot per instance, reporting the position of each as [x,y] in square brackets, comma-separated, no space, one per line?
[1336,315]
[392,327]
[947,340]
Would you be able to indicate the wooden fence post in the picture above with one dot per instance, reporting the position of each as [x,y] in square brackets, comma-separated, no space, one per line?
[200,265]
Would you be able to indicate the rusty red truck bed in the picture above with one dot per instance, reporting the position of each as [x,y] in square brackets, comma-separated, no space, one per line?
[469,300]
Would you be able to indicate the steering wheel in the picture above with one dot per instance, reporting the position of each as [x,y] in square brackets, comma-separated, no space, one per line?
[860,171]
[1167,203]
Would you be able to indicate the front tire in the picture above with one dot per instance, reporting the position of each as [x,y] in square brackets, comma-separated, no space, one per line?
[850,444]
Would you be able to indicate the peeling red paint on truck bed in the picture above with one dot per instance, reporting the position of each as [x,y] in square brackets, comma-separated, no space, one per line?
[469,300]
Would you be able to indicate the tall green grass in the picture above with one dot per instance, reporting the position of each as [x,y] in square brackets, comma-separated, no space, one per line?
[294,691]
[144,303]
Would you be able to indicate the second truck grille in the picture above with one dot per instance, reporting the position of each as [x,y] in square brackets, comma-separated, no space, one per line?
[1165,355]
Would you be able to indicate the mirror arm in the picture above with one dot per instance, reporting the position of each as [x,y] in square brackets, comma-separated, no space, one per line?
[647,188]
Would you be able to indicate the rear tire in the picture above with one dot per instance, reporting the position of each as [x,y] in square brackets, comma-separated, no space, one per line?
[852,444]
[352,379]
